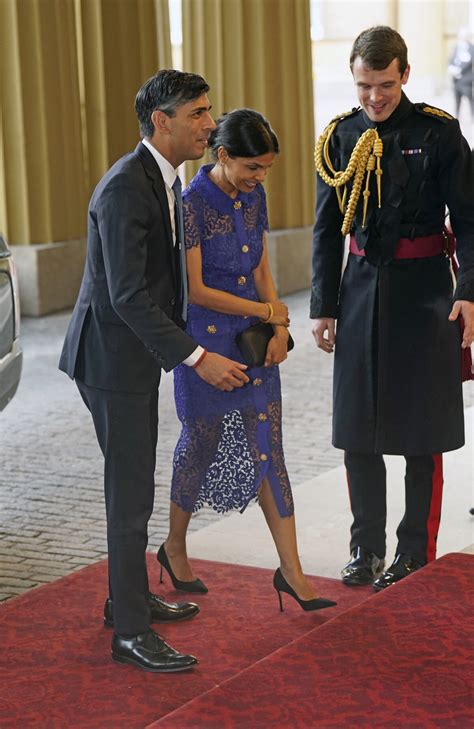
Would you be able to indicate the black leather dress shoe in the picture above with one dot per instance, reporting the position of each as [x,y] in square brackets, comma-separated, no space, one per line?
[150,652]
[161,611]
[362,568]
[402,566]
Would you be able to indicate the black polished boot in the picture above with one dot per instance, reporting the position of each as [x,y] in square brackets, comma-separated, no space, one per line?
[161,611]
[362,568]
[150,652]
[402,566]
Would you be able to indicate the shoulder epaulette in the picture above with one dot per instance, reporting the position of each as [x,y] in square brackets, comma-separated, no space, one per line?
[433,112]
[346,114]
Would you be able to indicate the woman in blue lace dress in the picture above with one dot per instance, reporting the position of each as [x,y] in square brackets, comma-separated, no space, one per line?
[230,449]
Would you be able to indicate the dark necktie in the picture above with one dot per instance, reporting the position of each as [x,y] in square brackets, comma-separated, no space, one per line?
[179,233]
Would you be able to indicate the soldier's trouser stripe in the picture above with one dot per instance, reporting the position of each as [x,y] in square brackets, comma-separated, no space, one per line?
[435,507]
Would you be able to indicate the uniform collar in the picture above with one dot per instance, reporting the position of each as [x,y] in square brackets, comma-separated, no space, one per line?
[403,109]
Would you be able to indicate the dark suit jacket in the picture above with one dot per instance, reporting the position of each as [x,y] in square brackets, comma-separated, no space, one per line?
[123,328]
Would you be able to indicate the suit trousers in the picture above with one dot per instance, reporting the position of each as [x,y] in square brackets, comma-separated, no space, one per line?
[418,530]
[126,425]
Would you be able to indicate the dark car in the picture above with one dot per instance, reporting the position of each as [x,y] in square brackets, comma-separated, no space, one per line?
[11,355]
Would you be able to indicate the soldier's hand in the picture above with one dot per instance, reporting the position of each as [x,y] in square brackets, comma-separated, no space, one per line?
[321,328]
[221,372]
[466,309]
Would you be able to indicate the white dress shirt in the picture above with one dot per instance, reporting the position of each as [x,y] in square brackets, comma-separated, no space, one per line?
[169,176]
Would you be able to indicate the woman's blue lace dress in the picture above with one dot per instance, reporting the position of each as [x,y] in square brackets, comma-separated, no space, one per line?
[230,441]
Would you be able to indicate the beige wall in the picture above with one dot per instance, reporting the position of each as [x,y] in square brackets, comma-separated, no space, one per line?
[428,26]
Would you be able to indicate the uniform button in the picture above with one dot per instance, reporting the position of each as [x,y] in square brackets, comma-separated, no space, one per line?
[241,280]
[263,457]
[245,249]
[172,302]
[257,382]
[237,205]
[262,417]
[211,329]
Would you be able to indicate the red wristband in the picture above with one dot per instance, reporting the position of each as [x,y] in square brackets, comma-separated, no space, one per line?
[196,364]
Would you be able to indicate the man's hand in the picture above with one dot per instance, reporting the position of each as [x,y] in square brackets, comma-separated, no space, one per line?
[223,373]
[319,329]
[466,309]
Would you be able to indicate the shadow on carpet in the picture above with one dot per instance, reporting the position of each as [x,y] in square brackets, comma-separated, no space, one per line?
[55,665]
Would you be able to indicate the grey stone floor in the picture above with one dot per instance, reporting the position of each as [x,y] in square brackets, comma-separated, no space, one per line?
[51,505]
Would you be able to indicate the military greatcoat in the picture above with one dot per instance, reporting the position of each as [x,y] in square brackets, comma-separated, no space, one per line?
[397,371]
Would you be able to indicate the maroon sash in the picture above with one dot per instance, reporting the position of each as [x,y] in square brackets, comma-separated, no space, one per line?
[425,247]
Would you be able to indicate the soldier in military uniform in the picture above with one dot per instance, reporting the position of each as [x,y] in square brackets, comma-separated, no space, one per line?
[387,171]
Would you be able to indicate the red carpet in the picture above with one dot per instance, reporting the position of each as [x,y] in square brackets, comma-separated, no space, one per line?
[55,665]
[401,659]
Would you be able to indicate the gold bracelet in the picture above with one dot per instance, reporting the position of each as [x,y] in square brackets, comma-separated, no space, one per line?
[270,313]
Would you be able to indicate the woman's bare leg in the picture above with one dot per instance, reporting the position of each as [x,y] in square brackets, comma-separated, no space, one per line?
[200,447]
[175,544]
[283,531]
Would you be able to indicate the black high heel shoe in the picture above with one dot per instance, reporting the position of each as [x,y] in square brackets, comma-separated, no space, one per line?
[281,585]
[189,586]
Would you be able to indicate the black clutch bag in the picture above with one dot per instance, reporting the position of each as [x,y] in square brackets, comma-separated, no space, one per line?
[253,343]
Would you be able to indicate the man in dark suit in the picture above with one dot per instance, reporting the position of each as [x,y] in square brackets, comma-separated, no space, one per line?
[125,327]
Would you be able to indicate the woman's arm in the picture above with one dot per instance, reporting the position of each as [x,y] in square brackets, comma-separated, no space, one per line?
[266,287]
[225,303]
[277,350]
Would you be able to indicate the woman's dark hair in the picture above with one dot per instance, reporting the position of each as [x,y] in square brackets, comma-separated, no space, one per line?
[378,46]
[243,133]
[166,90]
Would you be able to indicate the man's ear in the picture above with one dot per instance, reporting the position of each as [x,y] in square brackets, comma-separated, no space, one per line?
[160,121]
[406,75]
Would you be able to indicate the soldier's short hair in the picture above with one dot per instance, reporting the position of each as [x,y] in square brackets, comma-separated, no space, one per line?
[378,46]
